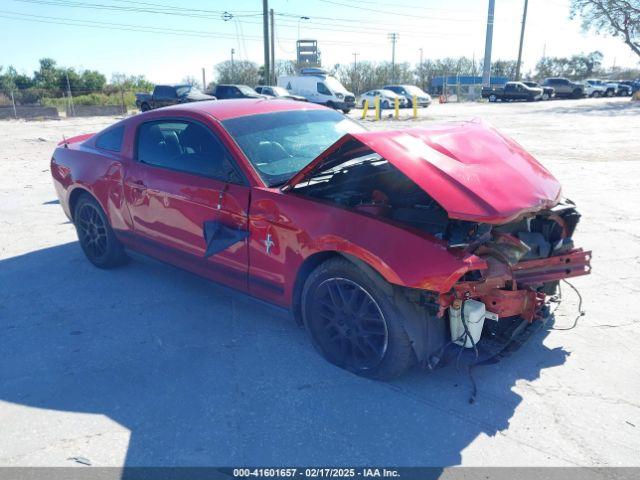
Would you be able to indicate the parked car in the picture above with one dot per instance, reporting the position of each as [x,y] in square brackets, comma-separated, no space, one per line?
[547,92]
[610,88]
[595,88]
[278,92]
[387,98]
[564,87]
[623,89]
[165,95]
[634,85]
[318,86]
[225,92]
[281,200]
[408,92]
[512,91]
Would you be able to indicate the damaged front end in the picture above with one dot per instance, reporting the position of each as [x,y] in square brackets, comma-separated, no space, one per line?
[478,194]
[524,261]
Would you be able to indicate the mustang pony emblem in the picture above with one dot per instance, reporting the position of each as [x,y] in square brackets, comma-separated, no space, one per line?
[268,243]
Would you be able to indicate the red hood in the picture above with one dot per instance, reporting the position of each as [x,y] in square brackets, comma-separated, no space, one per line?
[473,171]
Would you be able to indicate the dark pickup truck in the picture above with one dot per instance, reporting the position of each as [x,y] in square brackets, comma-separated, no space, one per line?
[547,92]
[165,95]
[564,87]
[512,91]
[224,92]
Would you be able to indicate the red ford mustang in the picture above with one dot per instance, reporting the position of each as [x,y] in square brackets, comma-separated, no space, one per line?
[388,246]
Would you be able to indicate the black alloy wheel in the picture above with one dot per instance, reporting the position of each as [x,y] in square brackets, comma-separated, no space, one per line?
[348,324]
[92,231]
[95,235]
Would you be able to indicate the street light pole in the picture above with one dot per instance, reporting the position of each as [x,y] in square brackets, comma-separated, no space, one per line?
[355,72]
[299,19]
[421,70]
[233,73]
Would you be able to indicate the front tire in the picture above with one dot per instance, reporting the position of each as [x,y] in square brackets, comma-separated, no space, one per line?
[346,110]
[353,323]
[96,236]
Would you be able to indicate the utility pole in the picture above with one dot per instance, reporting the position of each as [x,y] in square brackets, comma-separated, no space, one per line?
[394,38]
[204,81]
[233,72]
[420,70]
[355,72]
[524,21]
[486,70]
[272,79]
[13,102]
[265,35]
[73,113]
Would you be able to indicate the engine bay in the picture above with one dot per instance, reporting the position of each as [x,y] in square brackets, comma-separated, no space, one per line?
[369,184]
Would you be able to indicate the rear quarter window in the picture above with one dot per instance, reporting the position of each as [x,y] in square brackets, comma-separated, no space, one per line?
[111,140]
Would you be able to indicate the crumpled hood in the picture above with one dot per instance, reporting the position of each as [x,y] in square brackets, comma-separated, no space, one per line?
[474,172]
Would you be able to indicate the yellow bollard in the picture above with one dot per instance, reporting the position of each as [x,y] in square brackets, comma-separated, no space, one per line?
[365,107]
[397,107]
[415,106]
[377,107]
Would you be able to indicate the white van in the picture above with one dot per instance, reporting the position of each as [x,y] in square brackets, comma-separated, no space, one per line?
[317,86]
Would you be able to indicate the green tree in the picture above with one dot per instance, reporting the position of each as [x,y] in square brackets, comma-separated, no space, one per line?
[620,18]
[240,72]
[92,81]
[48,75]
[503,68]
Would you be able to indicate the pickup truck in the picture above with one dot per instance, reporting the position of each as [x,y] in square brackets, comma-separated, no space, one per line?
[165,95]
[564,87]
[224,92]
[512,91]
[547,92]
[595,88]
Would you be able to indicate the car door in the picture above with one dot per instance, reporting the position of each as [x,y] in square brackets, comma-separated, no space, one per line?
[184,190]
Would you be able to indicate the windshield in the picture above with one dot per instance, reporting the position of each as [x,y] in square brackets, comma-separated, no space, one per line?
[280,144]
[183,90]
[414,90]
[247,90]
[334,85]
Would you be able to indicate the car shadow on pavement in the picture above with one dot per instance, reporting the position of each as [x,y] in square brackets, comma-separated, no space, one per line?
[204,376]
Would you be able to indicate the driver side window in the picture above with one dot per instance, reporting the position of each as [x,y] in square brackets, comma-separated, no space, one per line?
[184,146]
[322,89]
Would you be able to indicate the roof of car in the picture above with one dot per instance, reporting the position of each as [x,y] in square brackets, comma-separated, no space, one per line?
[226,109]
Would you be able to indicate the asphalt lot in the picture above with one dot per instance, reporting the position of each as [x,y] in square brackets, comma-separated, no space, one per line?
[149,365]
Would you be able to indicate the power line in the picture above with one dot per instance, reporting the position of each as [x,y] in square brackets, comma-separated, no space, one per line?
[138,28]
[391,12]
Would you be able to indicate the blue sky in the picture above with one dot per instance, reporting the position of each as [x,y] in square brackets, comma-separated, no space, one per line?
[172,46]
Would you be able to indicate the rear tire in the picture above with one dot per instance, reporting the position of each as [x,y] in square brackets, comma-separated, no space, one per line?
[492,98]
[145,107]
[353,323]
[95,235]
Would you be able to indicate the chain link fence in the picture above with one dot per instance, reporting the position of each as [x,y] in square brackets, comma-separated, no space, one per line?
[31,103]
